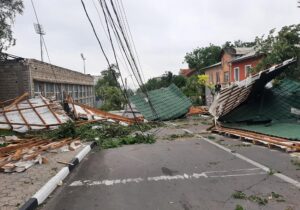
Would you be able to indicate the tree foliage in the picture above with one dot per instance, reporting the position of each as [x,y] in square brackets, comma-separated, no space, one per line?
[166,80]
[108,90]
[194,90]
[202,57]
[8,11]
[238,43]
[279,47]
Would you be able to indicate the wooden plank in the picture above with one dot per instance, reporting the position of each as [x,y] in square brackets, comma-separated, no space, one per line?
[263,138]
[18,146]
[107,115]
[18,99]
[21,109]
[53,113]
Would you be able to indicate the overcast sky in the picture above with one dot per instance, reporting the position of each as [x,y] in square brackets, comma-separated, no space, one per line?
[163,30]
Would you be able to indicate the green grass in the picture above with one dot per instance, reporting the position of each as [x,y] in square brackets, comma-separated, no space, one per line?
[176,136]
[127,140]
[260,200]
[296,163]
[271,171]
[7,133]
[239,207]
[211,137]
[239,195]
[3,144]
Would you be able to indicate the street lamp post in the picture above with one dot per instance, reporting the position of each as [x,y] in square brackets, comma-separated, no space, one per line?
[40,30]
[83,59]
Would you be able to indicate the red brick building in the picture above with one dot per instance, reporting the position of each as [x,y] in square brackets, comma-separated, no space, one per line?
[240,67]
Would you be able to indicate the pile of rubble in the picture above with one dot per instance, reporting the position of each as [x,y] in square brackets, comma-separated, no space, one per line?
[21,154]
[22,114]
[196,110]
[25,115]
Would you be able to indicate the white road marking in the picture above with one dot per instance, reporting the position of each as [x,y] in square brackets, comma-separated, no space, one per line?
[232,175]
[188,131]
[266,169]
[169,178]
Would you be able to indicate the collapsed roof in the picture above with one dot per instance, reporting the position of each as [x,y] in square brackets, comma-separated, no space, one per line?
[231,97]
[256,105]
[22,114]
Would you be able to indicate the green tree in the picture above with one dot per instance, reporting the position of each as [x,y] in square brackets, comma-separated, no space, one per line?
[8,11]
[202,57]
[108,90]
[279,47]
[238,43]
[112,98]
[109,77]
[166,80]
[194,90]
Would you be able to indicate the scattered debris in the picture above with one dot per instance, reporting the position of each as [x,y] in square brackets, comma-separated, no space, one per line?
[82,111]
[21,155]
[197,110]
[270,141]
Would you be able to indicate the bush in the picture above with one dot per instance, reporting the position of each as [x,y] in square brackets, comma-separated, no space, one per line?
[65,130]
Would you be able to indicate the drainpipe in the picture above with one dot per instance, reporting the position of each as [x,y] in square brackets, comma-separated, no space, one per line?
[230,68]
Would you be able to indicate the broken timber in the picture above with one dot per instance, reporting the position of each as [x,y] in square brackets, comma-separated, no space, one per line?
[254,137]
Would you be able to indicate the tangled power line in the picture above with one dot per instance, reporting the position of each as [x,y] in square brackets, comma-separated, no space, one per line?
[118,30]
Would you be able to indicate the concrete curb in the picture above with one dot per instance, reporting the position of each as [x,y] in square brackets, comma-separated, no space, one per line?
[40,196]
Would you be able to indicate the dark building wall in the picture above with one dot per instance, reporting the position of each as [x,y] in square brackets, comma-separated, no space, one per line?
[33,76]
[14,79]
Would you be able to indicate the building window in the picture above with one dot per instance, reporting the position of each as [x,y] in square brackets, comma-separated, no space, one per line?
[218,77]
[211,78]
[37,88]
[226,77]
[236,74]
[248,69]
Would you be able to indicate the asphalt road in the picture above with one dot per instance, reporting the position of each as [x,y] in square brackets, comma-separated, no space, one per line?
[186,173]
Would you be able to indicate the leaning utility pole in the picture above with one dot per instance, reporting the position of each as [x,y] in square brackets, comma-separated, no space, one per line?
[40,30]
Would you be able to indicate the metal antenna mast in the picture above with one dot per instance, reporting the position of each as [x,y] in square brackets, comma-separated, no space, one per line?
[83,59]
[40,30]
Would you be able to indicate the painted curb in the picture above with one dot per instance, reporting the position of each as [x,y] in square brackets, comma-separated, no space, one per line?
[40,196]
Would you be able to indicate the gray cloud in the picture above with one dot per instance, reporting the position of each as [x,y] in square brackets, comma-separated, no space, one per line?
[163,30]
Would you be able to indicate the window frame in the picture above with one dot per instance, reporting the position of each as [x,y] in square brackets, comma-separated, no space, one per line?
[238,75]
[248,73]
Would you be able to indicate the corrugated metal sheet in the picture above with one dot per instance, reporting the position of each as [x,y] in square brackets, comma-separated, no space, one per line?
[230,98]
[169,103]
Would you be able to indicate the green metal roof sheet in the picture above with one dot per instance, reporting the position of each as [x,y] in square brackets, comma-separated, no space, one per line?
[273,105]
[169,103]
